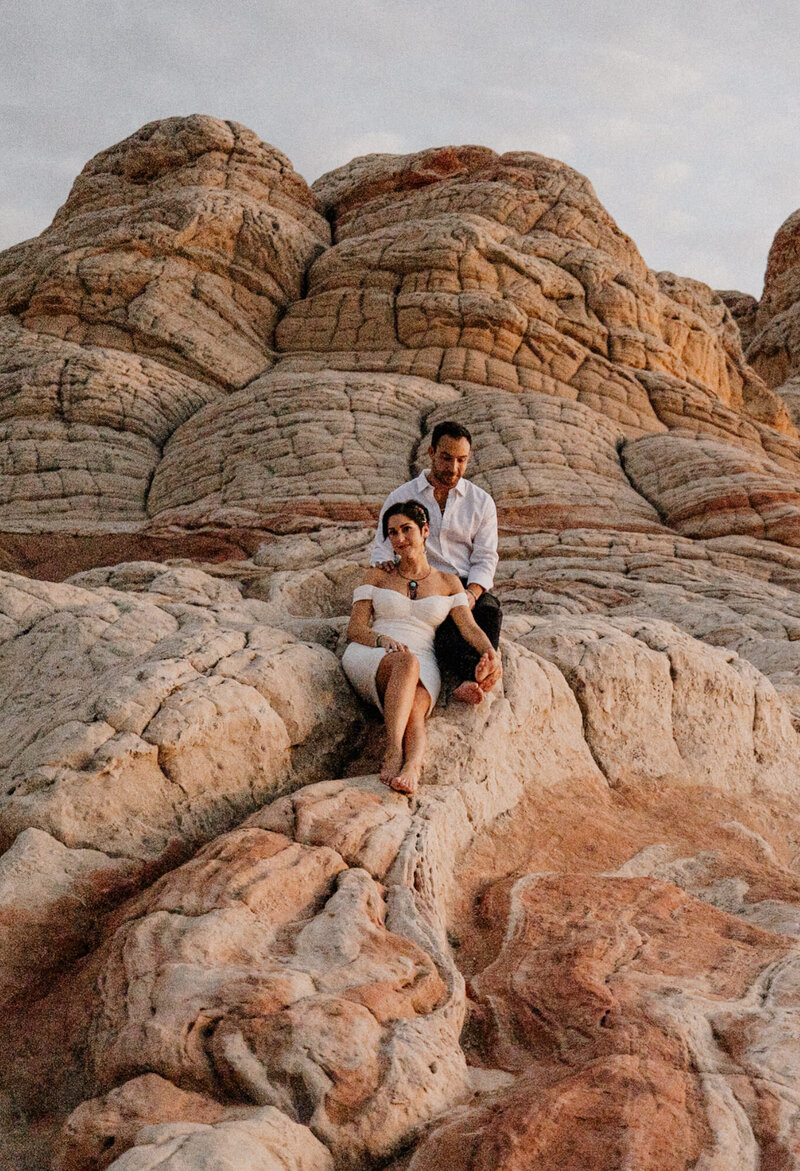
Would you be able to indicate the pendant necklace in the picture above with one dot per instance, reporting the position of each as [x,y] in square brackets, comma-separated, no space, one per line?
[413,582]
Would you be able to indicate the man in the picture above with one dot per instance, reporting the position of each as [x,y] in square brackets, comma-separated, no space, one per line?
[462,540]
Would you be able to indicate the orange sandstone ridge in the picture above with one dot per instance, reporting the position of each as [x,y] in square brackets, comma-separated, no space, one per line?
[223,942]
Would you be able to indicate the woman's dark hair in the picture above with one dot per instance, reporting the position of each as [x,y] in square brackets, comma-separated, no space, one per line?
[451,430]
[410,508]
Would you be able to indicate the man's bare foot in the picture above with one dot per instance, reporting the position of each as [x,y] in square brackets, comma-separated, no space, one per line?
[392,764]
[487,683]
[483,667]
[468,692]
[488,672]
[407,779]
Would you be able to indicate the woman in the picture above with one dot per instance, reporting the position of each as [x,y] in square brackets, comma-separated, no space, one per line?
[390,658]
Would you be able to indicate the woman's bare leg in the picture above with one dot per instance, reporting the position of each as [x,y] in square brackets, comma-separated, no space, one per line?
[396,681]
[413,744]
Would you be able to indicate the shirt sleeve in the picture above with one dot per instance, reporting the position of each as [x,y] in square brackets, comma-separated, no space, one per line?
[458,600]
[483,558]
[363,593]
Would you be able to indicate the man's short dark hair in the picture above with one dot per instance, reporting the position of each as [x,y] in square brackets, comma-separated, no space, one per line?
[413,509]
[451,430]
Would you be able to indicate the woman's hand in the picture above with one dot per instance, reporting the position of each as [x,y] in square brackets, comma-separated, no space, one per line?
[390,645]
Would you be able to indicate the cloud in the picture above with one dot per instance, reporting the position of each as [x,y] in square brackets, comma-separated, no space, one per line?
[695,103]
[19,223]
[671,173]
[375,142]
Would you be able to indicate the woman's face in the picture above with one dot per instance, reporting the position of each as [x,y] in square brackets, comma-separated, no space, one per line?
[405,534]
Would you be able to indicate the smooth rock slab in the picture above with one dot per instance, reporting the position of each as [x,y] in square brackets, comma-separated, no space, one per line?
[141,718]
[661,708]
[265,1141]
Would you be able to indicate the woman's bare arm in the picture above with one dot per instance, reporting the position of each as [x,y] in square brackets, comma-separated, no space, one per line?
[360,626]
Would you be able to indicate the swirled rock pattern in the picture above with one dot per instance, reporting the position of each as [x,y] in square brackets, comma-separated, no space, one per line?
[614,1064]
[707,489]
[222,942]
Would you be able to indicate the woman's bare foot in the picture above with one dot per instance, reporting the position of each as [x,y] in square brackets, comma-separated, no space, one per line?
[407,779]
[469,692]
[392,764]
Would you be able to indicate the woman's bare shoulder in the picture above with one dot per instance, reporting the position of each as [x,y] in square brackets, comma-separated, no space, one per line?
[452,584]
[373,576]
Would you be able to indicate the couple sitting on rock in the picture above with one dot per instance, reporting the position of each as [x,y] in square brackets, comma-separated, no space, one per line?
[424,599]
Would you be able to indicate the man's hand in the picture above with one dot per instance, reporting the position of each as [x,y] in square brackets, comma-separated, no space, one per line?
[386,566]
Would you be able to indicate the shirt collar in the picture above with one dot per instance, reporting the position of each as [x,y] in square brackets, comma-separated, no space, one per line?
[423,482]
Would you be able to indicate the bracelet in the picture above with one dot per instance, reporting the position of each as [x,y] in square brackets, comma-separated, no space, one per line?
[378,638]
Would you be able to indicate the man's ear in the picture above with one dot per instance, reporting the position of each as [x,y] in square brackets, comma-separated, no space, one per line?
[431,451]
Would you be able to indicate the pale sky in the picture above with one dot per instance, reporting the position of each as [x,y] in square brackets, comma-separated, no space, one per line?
[684,114]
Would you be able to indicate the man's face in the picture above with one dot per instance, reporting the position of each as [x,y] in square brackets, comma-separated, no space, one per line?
[449,460]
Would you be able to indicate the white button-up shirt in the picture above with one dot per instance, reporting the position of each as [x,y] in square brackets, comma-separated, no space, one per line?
[462,540]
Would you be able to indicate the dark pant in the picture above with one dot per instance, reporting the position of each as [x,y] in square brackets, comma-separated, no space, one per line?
[454,653]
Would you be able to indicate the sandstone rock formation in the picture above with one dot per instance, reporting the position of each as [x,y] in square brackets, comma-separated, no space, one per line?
[184,242]
[222,942]
[615,1065]
[774,339]
[194,246]
[743,307]
[157,287]
[259,458]
[83,429]
[773,349]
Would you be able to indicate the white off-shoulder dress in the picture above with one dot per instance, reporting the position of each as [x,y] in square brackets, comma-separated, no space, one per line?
[412,621]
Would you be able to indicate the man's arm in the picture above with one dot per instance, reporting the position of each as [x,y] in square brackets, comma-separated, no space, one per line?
[483,558]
